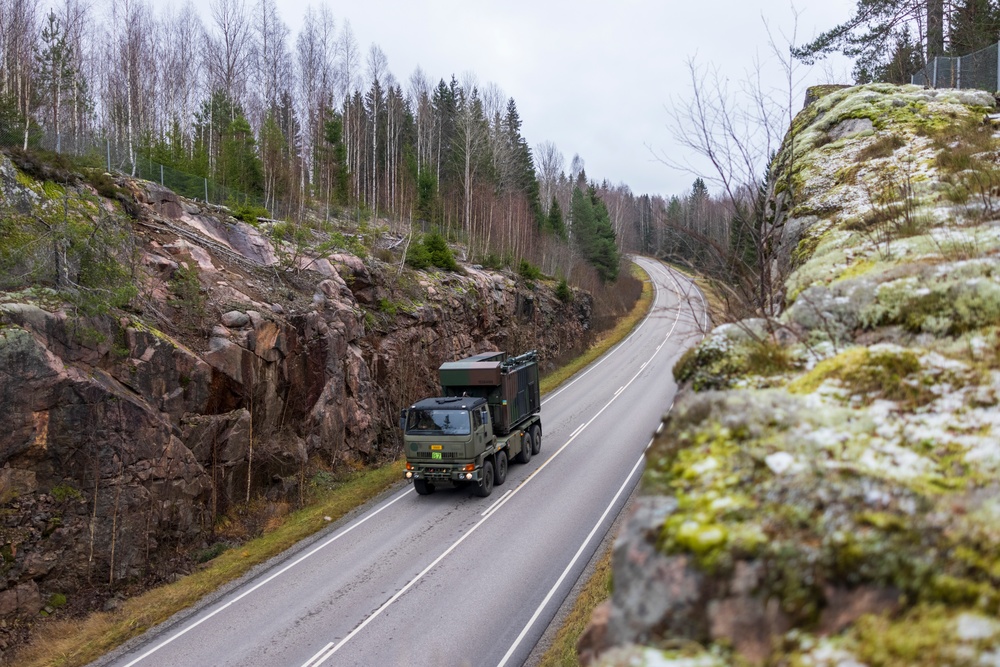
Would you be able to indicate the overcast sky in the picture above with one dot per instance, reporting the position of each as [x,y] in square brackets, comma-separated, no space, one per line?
[592,76]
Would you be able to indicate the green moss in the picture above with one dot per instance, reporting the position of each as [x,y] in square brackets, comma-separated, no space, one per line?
[856,269]
[53,190]
[882,374]
[942,306]
[63,492]
[923,637]
[23,179]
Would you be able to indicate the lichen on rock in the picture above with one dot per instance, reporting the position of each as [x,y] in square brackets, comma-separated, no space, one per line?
[832,471]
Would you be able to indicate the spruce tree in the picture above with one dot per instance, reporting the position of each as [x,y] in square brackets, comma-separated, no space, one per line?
[974,25]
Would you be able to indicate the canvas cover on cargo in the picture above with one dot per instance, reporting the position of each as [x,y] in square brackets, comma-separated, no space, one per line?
[509,385]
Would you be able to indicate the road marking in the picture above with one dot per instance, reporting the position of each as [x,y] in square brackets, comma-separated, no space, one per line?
[572,562]
[326,655]
[273,576]
[578,429]
[312,660]
[610,352]
[620,390]
[497,502]
[332,648]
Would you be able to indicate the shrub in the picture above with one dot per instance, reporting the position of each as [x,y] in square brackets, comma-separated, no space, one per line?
[431,250]
[563,292]
[249,213]
[529,270]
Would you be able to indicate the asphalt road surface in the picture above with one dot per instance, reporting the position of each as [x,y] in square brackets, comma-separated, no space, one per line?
[450,578]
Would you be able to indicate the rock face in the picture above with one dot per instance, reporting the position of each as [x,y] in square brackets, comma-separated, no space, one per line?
[824,491]
[124,437]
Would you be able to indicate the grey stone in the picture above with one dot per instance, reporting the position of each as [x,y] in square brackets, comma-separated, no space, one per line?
[235,319]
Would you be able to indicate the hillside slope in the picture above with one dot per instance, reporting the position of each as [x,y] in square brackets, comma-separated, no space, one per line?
[191,361]
[825,491]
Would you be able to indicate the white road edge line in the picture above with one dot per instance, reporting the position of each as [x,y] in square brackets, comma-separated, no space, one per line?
[385,605]
[578,429]
[572,562]
[327,653]
[496,502]
[273,576]
[610,352]
[317,655]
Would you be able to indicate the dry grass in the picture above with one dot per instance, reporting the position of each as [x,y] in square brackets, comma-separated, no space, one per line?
[65,643]
[608,339]
[562,653]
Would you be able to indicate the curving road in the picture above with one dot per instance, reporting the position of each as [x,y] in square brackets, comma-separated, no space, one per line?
[452,579]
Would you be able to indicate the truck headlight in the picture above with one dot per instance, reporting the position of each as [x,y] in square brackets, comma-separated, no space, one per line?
[409,474]
[468,475]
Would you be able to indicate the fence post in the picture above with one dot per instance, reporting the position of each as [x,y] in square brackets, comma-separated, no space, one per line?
[958,77]
[206,190]
[161,176]
[109,154]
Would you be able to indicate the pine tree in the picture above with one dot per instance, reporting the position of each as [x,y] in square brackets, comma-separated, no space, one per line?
[56,72]
[974,25]
[593,233]
[906,61]
[870,34]
[335,137]
[554,223]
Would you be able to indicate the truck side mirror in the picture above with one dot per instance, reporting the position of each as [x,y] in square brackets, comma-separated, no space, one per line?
[402,419]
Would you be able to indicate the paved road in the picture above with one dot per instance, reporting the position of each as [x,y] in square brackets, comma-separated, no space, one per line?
[453,579]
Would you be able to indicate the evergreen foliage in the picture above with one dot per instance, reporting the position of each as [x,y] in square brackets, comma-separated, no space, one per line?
[871,33]
[593,233]
[431,250]
[554,223]
[974,25]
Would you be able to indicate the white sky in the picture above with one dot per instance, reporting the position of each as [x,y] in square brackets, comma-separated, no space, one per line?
[592,76]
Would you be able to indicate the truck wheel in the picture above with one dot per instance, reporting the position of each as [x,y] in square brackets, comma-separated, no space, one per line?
[486,484]
[423,487]
[501,475]
[526,447]
[536,439]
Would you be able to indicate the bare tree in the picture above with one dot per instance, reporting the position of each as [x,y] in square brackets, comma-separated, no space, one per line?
[229,49]
[550,168]
[738,134]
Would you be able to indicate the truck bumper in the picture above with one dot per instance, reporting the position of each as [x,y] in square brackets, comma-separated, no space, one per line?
[443,473]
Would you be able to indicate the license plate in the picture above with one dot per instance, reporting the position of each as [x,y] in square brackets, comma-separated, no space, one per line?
[435,455]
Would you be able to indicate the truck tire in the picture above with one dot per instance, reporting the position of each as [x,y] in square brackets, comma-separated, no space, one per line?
[526,447]
[536,439]
[485,487]
[501,474]
[423,487]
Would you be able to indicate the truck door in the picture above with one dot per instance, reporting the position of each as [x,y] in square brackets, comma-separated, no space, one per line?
[480,425]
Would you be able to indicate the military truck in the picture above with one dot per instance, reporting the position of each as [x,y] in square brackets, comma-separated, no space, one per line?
[486,416]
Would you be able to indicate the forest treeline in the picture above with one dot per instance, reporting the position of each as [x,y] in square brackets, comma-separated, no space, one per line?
[315,120]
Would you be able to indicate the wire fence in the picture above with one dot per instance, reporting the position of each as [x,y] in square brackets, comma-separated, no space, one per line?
[975,70]
[104,152]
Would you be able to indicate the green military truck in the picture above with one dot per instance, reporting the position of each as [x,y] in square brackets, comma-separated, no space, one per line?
[487,415]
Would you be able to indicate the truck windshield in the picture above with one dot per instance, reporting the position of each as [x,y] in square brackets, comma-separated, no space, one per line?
[439,422]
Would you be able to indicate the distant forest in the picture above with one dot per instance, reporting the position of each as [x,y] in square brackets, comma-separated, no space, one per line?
[314,120]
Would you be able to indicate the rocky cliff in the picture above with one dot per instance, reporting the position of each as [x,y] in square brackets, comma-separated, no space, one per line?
[825,491]
[241,366]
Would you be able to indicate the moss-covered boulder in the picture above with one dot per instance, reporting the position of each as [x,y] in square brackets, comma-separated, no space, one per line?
[825,490]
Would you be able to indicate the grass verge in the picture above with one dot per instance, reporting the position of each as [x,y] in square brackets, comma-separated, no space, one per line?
[562,653]
[71,642]
[75,642]
[608,339]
